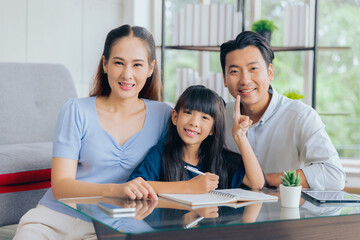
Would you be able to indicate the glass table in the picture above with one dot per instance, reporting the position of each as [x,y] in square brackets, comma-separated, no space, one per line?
[165,219]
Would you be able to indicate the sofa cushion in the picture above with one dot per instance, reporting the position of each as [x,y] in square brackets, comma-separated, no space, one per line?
[14,205]
[31,97]
[24,163]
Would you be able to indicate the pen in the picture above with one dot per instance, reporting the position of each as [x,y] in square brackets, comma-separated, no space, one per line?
[196,221]
[194,170]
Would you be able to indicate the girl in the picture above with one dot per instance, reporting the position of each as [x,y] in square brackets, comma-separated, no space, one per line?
[99,140]
[196,139]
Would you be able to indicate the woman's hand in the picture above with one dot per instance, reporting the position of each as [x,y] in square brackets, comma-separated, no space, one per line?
[241,122]
[203,183]
[137,188]
[144,208]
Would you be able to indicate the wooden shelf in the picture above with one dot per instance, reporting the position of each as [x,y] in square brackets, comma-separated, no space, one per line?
[334,48]
[195,48]
[334,114]
[276,49]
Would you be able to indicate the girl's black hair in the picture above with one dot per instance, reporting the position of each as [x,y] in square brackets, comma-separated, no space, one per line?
[202,99]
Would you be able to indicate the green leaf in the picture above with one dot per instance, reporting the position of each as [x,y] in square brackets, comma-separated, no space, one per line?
[263,25]
[285,182]
[290,178]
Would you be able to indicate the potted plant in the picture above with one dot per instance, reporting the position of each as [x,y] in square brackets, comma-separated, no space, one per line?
[264,27]
[293,94]
[290,189]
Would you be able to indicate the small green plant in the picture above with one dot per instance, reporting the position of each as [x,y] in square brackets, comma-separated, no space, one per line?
[290,179]
[293,94]
[263,25]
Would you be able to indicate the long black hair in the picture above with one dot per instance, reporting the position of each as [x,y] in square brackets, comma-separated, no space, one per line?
[202,99]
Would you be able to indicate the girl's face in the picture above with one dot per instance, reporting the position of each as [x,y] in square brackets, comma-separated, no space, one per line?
[128,67]
[193,126]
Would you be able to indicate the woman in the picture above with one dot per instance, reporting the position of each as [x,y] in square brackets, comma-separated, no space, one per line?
[99,140]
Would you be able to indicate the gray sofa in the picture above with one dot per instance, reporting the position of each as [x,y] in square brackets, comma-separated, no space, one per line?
[30,100]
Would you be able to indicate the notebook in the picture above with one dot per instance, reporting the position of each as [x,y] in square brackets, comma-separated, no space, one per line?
[219,197]
[231,204]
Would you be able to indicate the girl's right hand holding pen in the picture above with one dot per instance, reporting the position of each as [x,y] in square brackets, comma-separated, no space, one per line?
[203,183]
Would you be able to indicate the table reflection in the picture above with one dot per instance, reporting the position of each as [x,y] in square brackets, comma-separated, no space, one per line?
[153,216]
[159,215]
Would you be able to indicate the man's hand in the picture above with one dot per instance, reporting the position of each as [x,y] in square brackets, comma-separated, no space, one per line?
[273,179]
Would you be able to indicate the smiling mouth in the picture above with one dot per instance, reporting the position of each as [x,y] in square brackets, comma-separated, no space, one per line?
[124,84]
[246,90]
[191,133]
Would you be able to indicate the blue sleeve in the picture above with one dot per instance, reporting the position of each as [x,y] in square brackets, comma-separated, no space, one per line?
[167,114]
[68,132]
[151,168]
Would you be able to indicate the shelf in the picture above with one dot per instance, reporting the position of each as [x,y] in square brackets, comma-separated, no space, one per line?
[335,114]
[334,48]
[241,8]
[275,49]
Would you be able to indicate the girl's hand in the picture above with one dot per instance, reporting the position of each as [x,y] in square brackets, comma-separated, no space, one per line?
[207,212]
[241,122]
[137,188]
[203,183]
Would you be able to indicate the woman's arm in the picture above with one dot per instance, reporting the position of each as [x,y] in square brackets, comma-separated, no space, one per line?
[254,177]
[198,184]
[65,185]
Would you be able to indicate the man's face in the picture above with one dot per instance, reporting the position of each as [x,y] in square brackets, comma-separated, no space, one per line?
[246,75]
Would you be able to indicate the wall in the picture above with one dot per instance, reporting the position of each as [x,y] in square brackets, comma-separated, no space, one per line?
[70,32]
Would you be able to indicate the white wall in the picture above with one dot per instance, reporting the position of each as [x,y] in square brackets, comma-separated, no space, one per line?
[70,32]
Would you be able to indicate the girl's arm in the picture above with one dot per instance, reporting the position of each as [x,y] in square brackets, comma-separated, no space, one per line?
[254,177]
[64,184]
[198,184]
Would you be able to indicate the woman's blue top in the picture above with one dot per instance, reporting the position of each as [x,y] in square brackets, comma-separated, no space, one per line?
[79,136]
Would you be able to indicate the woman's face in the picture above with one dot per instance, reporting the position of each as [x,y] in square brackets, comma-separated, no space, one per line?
[128,67]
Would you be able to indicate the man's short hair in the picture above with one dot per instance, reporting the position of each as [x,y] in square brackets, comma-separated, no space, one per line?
[243,40]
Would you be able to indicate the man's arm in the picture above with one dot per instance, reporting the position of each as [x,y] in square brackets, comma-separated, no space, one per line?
[322,166]
[273,179]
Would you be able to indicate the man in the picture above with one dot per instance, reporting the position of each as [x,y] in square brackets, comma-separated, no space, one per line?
[285,134]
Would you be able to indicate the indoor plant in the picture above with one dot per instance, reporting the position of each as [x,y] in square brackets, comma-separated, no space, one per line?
[290,189]
[293,94]
[264,27]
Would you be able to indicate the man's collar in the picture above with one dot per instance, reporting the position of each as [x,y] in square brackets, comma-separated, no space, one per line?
[272,105]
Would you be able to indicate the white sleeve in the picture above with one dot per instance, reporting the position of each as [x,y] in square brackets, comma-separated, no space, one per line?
[322,166]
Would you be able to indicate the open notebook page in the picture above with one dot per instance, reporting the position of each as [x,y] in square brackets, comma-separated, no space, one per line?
[218,197]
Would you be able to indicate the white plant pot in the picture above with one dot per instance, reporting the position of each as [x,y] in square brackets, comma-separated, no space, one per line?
[290,196]
[289,213]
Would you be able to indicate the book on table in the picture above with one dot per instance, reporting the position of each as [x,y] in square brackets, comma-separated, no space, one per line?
[231,204]
[219,197]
